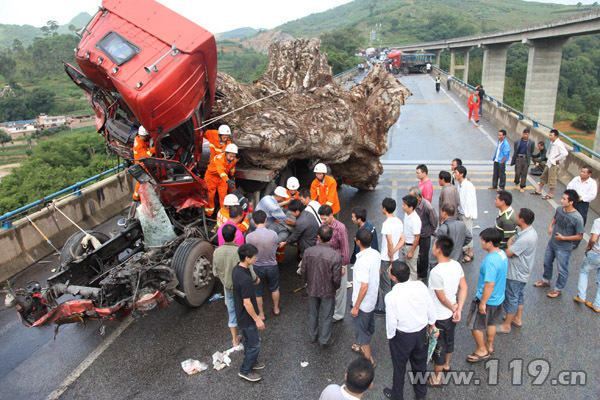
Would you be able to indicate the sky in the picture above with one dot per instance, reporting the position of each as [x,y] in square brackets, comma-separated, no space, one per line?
[215,16]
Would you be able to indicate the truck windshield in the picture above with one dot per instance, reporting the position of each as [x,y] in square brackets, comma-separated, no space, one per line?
[117,48]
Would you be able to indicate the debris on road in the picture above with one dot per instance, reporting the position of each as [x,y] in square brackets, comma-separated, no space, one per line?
[304,364]
[192,367]
[220,360]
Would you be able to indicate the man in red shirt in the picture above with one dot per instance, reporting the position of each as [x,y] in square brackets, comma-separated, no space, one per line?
[424,182]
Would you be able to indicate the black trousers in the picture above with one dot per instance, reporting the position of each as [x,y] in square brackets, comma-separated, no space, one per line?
[423,260]
[583,208]
[499,177]
[409,347]
[521,167]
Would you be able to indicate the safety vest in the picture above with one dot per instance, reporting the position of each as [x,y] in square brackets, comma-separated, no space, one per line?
[141,149]
[326,193]
[223,216]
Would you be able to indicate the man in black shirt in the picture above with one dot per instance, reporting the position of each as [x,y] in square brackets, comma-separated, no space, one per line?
[246,311]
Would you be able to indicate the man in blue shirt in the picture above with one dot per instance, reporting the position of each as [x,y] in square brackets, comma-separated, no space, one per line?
[500,157]
[486,309]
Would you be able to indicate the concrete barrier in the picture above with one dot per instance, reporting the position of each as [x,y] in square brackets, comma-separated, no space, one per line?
[23,245]
[502,118]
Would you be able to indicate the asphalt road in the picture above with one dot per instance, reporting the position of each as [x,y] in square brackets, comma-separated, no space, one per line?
[140,359]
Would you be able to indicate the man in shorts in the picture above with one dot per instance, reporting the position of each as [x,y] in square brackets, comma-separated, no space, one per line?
[445,281]
[486,308]
[266,242]
[557,153]
[521,258]
[365,290]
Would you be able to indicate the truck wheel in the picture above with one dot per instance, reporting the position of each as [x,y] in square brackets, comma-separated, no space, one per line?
[73,248]
[405,70]
[192,263]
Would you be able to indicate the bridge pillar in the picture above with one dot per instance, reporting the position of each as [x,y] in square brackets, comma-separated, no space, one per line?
[465,66]
[438,55]
[494,69]
[543,71]
[453,62]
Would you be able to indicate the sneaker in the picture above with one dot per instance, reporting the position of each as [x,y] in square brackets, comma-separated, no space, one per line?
[332,342]
[250,376]
[387,393]
[578,299]
[258,366]
[590,305]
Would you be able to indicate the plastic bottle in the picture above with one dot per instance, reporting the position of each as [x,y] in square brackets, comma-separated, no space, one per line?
[217,296]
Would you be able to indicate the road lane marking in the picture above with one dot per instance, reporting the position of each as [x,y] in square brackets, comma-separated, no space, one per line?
[89,360]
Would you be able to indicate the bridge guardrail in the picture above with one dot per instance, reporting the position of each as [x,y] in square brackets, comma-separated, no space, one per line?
[577,147]
[6,219]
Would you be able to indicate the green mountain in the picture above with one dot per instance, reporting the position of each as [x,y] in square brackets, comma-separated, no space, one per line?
[26,33]
[394,22]
[238,33]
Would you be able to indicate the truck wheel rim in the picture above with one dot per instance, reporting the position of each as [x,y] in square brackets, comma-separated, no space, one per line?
[201,273]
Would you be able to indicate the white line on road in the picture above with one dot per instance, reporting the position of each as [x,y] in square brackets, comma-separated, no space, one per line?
[85,364]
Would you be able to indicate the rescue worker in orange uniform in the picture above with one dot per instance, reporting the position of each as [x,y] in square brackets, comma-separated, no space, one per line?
[223,214]
[218,140]
[324,189]
[292,191]
[219,176]
[473,104]
[141,149]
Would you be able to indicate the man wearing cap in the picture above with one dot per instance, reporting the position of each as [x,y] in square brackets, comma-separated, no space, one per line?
[141,149]
[223,214]
[324,189]
[219,176]
[218,140]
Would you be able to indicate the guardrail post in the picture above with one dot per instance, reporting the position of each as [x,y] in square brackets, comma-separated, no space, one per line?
[77,190]
[7,223]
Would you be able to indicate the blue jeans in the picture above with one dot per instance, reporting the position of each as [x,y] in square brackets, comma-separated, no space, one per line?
[562,263]
[251,348]
[590,263]
[232,323]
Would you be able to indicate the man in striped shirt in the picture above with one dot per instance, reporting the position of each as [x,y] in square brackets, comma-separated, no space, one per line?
[506,222]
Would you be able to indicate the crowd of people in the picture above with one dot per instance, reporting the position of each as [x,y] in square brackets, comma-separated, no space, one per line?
[413,276]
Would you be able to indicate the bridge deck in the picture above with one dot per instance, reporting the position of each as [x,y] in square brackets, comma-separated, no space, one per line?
[142,359]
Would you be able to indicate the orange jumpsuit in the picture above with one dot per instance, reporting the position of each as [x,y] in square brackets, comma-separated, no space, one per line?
[473,104]
[223,216]
[217,174]
[326,193]
[212,135]
[141,149]
[290,197]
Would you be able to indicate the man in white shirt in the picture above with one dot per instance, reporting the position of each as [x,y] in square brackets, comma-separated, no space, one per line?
[409,311]
[359,379]
[365,288]
[446,279]
[586,188]
[467,206]
[391,235]
[412,234]
[311,206]
[557,153]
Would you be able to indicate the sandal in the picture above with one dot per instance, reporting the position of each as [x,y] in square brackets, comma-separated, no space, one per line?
[468,258]
[547,197]
[474,358]
[536,193]
[357,349]
[554,293]
[541,284]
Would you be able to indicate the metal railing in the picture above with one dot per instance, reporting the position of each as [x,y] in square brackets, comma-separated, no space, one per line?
[345,72]
[74,190]
[577,147]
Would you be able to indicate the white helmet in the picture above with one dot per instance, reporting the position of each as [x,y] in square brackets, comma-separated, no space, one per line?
[142,131]
[280,191]
[292,183]
[224,130]
[231,200]
[320,168]
[231,148]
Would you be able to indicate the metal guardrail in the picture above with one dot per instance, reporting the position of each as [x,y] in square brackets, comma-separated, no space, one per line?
[577,147]
[345,72]
[75,190]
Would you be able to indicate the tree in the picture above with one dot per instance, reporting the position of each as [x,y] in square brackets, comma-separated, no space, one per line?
[72,28]
[5,138]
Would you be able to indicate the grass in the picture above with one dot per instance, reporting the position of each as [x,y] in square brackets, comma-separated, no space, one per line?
[585,141]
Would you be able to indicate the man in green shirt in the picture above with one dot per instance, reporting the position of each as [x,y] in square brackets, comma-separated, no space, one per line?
[225,258]
[506,221]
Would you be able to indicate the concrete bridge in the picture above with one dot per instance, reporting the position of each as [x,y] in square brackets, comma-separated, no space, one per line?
[545,41]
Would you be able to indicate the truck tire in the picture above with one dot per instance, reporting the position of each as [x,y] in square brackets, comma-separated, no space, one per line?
[405,70]
[73,249]
[192,263]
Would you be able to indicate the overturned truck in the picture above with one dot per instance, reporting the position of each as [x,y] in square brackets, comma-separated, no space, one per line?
[143,64]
